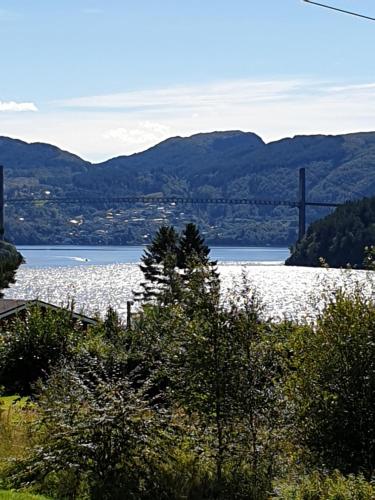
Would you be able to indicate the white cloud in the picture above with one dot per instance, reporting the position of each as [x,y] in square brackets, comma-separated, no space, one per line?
[12,106]
[141,135]
[98,128]
[199,96]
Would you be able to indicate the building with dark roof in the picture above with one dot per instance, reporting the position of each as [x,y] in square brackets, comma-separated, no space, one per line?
[10,308]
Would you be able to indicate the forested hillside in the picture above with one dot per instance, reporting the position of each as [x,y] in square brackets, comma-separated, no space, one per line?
[10,260]
[220,164]
[340,239]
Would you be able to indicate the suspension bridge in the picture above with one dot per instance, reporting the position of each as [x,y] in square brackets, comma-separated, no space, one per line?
[301,203]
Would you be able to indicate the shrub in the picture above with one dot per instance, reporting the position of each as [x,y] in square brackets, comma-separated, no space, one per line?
[30,347]
[98,437]
[333,385]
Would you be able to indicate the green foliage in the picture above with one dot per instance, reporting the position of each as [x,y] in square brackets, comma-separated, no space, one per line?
[219,370]
[10,260]
[99,437]
[14,495]
[201,399]
[113,327]
[223,370]
[159,263]
[340,239]
[319,486]
[16,417]
[30,346]
[332,385]
[168,263]
[191,247]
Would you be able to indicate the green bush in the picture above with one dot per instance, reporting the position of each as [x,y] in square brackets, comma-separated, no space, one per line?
[97,436]
[30,346]
[332,385]
[318,486]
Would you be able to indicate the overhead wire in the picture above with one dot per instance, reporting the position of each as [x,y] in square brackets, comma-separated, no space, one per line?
[331,7]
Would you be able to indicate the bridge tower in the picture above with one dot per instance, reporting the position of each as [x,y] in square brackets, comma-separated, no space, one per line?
[302,204]
[1,202]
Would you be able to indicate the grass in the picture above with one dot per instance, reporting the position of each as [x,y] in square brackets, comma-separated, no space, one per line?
[15,436]
[15,428]
[14,495]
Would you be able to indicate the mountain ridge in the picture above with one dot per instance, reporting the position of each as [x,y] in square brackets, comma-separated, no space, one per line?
[221,164]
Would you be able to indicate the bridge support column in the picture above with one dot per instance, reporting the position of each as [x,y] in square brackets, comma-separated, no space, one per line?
[302,204]
[1,202]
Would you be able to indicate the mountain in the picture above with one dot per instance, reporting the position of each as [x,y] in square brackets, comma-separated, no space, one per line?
[230,164]
[340,238]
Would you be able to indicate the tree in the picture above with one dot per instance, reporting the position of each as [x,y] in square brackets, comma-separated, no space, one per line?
[158,265]
[10,260]
[192,246]
[223,371]
[170,259]
[332,385]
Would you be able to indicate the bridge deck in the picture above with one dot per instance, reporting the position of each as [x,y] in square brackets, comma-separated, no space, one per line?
[168,199]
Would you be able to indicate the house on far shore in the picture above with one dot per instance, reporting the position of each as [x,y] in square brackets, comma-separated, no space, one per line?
[11,308]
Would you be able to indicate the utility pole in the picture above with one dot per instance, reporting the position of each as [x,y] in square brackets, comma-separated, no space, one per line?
[129,304]
[1,202]
[302,204]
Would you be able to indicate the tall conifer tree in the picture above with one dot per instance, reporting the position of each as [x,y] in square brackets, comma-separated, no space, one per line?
[159,262]
[169,261]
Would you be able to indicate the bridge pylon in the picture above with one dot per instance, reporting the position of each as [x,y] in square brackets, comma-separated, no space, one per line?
[1,202]
[302,204]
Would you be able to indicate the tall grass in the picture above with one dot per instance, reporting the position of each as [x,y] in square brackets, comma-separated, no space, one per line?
[14,495]
[16,416]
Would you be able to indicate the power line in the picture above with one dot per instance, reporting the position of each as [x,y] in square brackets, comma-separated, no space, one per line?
[356,14]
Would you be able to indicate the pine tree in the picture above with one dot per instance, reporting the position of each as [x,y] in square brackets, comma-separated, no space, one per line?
[158,264]
[192,247]
[170,261]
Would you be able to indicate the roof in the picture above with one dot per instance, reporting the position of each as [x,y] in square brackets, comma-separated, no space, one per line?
[9,307]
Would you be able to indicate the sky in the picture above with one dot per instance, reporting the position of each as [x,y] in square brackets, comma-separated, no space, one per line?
[103,78]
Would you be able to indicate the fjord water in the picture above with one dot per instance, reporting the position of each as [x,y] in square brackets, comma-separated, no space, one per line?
[96,277]
[47,256]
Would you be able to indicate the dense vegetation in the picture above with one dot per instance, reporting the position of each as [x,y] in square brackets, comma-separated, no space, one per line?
[199,399]
[221,164]
[10,260]
[340,239]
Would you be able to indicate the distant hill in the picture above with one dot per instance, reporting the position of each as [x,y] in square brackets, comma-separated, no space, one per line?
[340,238]
[230,164]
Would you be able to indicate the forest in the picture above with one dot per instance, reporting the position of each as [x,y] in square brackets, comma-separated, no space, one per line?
[198,398]
[343,239]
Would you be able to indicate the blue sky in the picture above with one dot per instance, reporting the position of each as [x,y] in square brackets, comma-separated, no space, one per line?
[104,78]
